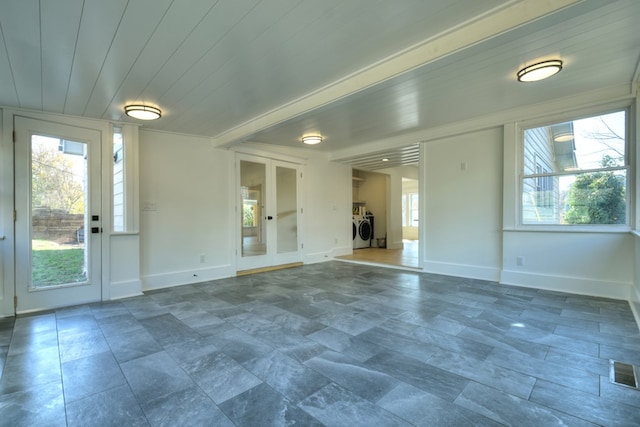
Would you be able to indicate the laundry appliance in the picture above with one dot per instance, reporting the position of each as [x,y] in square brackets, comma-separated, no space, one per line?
[362,231]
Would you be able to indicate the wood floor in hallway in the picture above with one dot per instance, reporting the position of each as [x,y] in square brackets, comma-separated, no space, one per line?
[405,257]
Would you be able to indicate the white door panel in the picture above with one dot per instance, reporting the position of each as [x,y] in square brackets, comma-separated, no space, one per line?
[58,215]
[269,212]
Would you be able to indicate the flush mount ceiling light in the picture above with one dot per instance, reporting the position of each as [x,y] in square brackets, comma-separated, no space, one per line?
[312,140]
[142,112]
[540,71]
[563,137]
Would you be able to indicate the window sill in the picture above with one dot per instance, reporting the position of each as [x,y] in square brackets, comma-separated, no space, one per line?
[570,229]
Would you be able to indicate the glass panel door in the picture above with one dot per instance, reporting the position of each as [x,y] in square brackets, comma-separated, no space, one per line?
[269,214]
[252,193]
[58,217]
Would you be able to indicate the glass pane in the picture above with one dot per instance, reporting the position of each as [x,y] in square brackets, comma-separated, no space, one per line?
[252,187]
[590,143]
[58,211]
[286,200]
[586,198]
[118,181]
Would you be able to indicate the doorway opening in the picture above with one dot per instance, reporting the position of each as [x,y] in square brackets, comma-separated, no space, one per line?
[386,205]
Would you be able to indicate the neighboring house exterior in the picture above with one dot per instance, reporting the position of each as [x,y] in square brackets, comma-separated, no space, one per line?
[547,151]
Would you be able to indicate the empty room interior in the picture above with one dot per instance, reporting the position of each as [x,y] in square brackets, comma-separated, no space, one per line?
[337,212]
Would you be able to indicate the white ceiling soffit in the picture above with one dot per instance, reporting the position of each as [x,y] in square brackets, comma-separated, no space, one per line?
[401,156]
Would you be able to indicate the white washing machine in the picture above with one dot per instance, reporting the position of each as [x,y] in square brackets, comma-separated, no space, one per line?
[362,232]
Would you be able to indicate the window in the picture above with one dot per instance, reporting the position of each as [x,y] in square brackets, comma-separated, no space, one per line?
[118,181]
[405,220]
[410,210]
[576,172]
[414,210]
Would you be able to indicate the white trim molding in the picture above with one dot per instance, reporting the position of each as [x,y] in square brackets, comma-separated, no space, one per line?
[571,285]
[187,277]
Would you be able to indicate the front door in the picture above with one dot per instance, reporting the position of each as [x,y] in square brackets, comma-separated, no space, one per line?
[269,212]
[58,215]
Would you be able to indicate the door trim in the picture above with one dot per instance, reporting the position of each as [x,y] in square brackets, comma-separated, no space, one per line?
[97,206]
[271,258]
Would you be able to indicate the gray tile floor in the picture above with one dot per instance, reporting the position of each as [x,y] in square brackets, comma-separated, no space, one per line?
[325,344]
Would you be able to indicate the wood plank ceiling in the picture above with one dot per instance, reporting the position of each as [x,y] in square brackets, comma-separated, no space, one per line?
[270,71]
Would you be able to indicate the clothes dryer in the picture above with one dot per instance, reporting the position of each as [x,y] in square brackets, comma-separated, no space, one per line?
[363,232]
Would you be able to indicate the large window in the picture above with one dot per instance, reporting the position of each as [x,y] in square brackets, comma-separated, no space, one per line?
[576,172]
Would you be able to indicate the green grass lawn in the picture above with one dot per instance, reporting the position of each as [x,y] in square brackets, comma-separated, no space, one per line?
[55,264]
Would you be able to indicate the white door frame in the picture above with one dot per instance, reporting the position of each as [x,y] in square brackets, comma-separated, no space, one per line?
[271,258]
[24,127]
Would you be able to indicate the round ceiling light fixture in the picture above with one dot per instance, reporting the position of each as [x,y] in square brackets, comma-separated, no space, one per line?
[563,137]
[540,71]
[312,139]
[142,112]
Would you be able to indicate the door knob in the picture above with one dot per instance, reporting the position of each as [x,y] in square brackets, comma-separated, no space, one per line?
[269,217]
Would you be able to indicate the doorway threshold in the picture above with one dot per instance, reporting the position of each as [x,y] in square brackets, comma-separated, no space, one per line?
[378,264]
[269,268]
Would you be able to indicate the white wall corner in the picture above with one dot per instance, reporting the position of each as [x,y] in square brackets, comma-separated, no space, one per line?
[395,245]
[634,303]
[571,285]
[187,277]
[126,289]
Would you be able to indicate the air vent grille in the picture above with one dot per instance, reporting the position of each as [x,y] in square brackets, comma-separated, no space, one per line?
[623,374]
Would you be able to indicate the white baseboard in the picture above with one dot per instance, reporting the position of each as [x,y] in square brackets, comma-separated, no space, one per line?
[572,285]
[462,270]
[634,302]
[395,245]
[119,290]
[177,278]
[317,257]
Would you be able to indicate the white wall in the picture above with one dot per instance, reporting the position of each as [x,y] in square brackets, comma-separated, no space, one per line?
[6,220]
[327,219]
[461,223]
[185,201]
[635,290]
[599,264]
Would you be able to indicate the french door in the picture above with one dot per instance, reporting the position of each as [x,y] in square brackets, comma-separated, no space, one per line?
[268,212]
[58,215]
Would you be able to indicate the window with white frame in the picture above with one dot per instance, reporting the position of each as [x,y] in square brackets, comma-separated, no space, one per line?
[576,172]
[118,181]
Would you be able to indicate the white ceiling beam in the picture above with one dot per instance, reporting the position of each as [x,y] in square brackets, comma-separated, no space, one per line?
[482,28]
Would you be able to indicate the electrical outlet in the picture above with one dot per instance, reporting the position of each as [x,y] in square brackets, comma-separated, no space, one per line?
[203,258]
[520,261]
